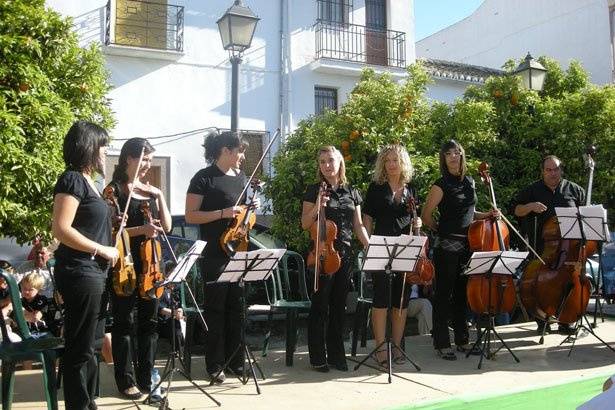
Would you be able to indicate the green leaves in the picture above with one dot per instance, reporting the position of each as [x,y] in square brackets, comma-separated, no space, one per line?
[46,83]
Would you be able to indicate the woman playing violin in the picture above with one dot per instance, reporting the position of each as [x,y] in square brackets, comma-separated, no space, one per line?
[82,224]
[129,175]
[210,202]
[387,213]
[455,197]
[341,204]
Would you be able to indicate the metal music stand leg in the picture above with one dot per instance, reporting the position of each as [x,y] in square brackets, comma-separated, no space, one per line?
[244,377]
[170,369]
[387,340]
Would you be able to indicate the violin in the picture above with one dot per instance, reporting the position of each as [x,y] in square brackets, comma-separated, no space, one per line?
[493,293]
[558,287]
[150,257]
[124,278]
[423,270]
[236,236]
[323,256]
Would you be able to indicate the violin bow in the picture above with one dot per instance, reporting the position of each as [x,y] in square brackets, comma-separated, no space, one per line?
[510,225]
[258,164]
[132,188]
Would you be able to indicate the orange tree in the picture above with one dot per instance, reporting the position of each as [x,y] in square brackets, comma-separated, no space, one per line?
[46,83]
[500,122]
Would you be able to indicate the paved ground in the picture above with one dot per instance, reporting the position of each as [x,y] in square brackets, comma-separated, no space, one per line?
[367,388]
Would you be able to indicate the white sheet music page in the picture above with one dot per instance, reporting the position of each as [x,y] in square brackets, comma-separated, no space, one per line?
[594,222]
[406,252]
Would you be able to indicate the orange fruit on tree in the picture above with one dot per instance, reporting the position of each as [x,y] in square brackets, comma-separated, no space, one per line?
[345,145]
[347,157]
[354,135]
[497,93]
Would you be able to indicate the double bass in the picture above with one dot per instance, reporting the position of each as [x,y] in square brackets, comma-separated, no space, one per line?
[323,256]
[559,288]
[494,293]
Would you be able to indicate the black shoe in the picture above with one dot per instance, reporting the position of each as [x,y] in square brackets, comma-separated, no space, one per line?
[541,326]
[342,367]
[323,368]
[446,354]
[219,379]
[131,393]
[565,330]
[474,349]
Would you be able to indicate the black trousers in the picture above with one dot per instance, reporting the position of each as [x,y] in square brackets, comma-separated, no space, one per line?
[82,297]
[327,316]
[122,343]
[223,317]
[450,299]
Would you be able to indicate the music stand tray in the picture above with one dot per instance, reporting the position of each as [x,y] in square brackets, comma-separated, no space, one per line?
[583,223]
[489,264]
[178,277]
[248,267]
[391,254]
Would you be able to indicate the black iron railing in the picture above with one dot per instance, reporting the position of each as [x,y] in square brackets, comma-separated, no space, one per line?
[351,42]
[145,24]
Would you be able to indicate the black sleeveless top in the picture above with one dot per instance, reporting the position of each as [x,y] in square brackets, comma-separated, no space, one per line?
[457,205]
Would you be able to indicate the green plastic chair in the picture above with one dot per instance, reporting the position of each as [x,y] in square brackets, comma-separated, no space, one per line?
[43,350]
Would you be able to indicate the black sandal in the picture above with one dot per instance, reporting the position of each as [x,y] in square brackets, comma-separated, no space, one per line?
[447,354]
[474,350]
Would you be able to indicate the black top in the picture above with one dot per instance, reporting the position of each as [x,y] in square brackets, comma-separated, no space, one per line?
[135,217]
[390,218]
[219,191]
[340,209]
[92,220]
[566,194]
[457,205]
[37,304]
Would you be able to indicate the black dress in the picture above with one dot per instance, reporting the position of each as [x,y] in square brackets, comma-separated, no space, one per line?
[390,219]
[81,281]
[122,307]
[327,311]
[222,308]
[451,253]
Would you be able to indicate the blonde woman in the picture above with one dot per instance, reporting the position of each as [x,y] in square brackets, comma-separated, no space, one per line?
[387,213]
[342,205]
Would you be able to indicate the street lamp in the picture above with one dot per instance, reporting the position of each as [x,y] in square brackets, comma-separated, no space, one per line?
[532,73]
[236,28]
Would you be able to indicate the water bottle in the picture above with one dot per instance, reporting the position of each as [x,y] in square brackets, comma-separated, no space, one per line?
[156,393]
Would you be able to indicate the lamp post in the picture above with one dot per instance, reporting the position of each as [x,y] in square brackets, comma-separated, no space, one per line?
[236,27]
[532,73]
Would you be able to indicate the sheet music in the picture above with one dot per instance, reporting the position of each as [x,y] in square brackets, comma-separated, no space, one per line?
[266,261]
[595,227]
[405,255]
[184,264]
[507,262]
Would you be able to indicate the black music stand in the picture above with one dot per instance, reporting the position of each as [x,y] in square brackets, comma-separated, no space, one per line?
[178,277]
[391,254]
[248,267]
[583,223]
[490,264]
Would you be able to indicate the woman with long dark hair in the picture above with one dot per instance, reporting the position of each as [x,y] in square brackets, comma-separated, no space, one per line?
[210,202]
[454,195]
[132,383]
[82,224]
[342,205]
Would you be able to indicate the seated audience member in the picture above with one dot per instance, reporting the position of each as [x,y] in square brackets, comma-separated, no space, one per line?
[35,305]
[420,308]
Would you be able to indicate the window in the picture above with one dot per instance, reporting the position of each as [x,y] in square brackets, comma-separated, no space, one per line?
[324,98]
[254,152]
[158,174]
[334,11]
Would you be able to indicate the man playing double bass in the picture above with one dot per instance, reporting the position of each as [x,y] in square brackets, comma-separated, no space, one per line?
[535,204]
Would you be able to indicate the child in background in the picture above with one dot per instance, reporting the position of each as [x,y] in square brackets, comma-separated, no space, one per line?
[34,304]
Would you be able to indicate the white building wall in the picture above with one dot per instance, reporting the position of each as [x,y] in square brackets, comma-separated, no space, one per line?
[446,91]
[503,29]
[155,95]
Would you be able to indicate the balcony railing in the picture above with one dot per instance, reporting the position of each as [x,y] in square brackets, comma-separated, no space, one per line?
[351,42]
[145,24]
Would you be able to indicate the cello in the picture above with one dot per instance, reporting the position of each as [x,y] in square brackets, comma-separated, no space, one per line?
[323,256]
[559,288]
[150,252]
[494,293]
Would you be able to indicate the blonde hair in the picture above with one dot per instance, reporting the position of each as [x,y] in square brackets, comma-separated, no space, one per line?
[341,175]
[380,173]
[34,279]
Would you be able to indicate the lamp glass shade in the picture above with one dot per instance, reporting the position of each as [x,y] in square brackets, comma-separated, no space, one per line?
[532,73]
[237,28]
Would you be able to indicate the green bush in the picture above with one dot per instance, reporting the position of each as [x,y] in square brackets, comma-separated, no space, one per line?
[501,123]
[46,83]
